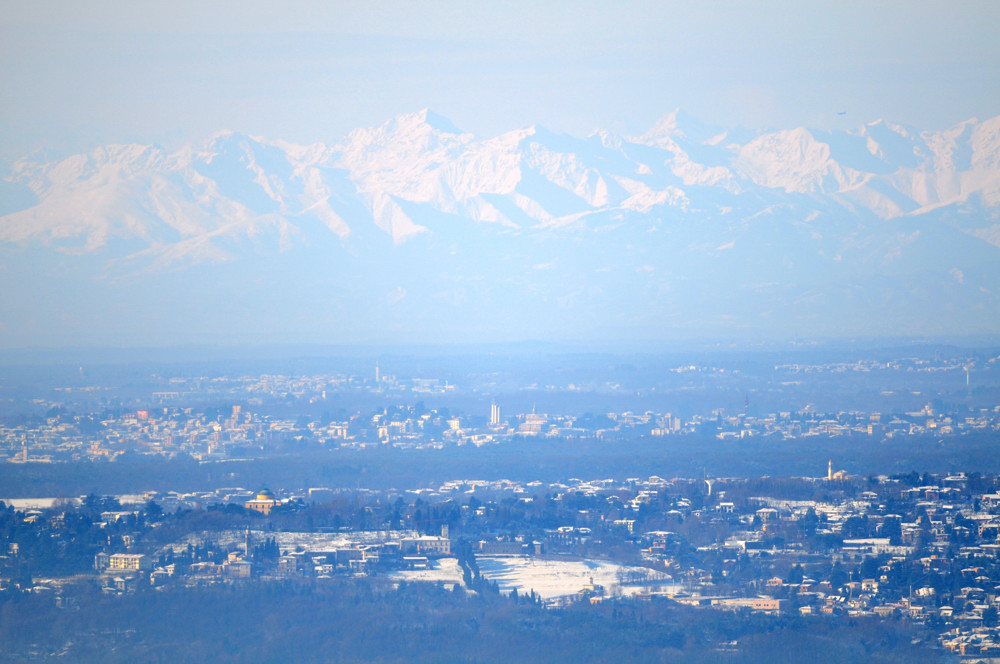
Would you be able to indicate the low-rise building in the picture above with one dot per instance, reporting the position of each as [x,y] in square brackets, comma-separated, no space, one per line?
[130,562]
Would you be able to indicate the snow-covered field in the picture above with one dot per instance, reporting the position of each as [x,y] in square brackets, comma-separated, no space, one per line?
[36,503]
[550,579]
[445,570]
[557,578]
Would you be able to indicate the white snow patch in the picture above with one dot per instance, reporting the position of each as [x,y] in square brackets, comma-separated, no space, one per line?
[551,579]
[440,570]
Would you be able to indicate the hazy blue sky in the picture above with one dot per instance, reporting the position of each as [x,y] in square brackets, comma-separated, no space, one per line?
[75,74]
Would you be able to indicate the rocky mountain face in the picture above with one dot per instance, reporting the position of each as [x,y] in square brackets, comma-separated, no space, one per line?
[415,231]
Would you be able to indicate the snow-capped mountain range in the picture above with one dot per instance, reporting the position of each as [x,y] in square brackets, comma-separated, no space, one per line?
[415,226]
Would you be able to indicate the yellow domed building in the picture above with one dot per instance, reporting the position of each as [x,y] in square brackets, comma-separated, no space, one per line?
[263,503]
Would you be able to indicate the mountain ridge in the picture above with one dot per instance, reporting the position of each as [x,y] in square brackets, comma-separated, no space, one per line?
[880,168]
[414,224]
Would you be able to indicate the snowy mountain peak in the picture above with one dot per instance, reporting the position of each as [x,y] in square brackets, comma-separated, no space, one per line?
[679,125]
[407,137]
[439,122]
[420,124]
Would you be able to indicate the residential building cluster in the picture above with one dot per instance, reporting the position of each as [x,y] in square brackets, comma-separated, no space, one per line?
[923,548]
